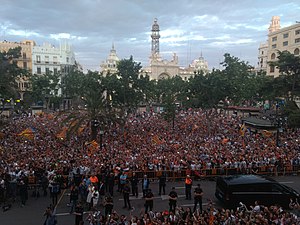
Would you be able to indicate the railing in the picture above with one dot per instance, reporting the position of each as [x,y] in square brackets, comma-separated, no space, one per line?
[178,175]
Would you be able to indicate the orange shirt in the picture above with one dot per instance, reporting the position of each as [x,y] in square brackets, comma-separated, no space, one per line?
[94,179]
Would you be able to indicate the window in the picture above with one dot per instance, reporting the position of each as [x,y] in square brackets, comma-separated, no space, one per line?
[38,70]
[285,43]
[54,59]
[297,32]
[67,59]
[297,40]
[262,52]
[273,56]
[24,65]
[296,52]
[24,55]
[46,59]
[47,70]
[274,38]
[286,35]
[274,46]
[38,59]
[272,69]
[55,70]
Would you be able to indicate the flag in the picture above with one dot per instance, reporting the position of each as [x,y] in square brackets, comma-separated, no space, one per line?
[266,133]
[243,130]
[92,146]
[63,133]
[156,140]
[27,133]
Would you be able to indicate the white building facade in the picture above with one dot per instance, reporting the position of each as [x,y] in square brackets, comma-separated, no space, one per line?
[279,39]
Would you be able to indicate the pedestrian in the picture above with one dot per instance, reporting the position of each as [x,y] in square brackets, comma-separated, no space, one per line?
[108,205]
[134,185]
[198,193]
[145,185]
[111,183]
[50,216]
[78,214]
[188,187]
[54,192]
[173,200]
[23,191]
[95,198]
[126,192]
[149,200]
[162,183]
[123,180]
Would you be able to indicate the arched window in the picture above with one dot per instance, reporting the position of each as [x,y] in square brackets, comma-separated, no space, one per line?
[296,52]
[273,56]
[272,69]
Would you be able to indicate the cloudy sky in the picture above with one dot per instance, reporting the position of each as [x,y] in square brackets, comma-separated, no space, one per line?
[188,27]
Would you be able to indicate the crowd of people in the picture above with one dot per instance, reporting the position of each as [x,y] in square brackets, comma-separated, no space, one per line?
[199,140]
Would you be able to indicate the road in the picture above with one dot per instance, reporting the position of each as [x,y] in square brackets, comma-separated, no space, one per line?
[32,213]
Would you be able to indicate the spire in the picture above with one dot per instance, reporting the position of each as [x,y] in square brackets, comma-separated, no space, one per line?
[155,38]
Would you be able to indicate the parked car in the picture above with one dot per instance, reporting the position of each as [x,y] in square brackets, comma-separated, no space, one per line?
[231,190]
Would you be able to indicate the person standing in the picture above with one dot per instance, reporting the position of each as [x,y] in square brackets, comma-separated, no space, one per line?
[111,183]
[188,187]
[134,185]
[95,198]
[123,180]
[78,214]
[162,183]
[109,205]
[126,192]
[149,200]
[145,185]
[173,200]
[23,192]
[198,193]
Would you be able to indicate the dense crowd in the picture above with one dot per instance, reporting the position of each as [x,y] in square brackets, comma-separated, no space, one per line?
[199,140]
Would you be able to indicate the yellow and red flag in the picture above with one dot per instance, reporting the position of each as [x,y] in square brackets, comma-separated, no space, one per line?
[27,133]
[63,133]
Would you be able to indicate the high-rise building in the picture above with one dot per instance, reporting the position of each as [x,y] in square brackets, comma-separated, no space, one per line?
[279,39]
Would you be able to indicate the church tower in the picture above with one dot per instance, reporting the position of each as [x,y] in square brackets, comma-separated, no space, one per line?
[155,38]
[275,24]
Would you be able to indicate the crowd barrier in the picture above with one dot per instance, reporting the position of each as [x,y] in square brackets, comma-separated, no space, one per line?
[215,172]
[176,175]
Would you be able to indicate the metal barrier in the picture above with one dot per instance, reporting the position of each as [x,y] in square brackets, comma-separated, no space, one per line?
[176,175]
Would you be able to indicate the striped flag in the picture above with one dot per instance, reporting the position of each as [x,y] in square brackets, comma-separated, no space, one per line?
[27,133]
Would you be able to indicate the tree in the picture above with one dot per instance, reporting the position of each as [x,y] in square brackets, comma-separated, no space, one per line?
[131,92]
[45,88]
[9,72]
[289,65]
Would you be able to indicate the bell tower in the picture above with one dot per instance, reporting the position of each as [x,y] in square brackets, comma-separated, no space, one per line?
[275,24]
[155,38]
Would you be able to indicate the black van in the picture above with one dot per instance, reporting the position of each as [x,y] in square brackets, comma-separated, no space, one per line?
[250,188]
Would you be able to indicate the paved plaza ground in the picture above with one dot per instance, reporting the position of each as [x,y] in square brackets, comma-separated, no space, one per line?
[32,213]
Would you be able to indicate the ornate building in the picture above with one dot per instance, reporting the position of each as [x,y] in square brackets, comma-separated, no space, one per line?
[279,39]
[159,68]
[110,64]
